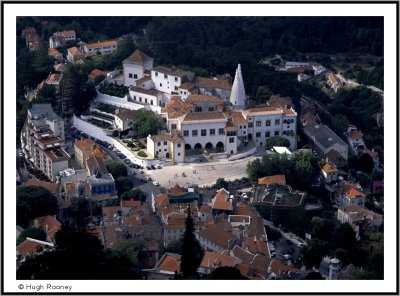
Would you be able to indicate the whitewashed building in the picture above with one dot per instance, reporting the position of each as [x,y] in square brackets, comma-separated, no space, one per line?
[135,67]
[166,146]
[168,80]
[105,47]
[238,95]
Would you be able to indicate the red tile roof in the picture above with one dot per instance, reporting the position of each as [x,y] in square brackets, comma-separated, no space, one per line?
[49,223]
[329,169]
[275,179]
[210,83]
[54,158]
[355,135]
[138,57]
[51,187]
[201,98]
[101,44]
[86,144]
[215,260]
[170,262]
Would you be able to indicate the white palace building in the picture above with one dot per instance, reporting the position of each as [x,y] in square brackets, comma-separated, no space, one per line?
[200,113]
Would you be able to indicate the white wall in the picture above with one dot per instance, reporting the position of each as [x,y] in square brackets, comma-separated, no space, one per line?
[132,69]
[168,84]
[203,140]
[123,103]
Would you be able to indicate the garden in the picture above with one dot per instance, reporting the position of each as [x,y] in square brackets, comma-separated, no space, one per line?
[114,90]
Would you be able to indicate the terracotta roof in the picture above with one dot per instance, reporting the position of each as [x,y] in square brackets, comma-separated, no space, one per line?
[211,83]
[357,213]
[221,202]
[176,222]
[263,111]
[279,102]
[59,67]
[67,33]
[49,223]
[98,152]
[143,80]
[217,234]
[141,90]
[86,144]
[131,203]
[96,72]
[51,187]
[280,269]
[237,118]
[215,260]
[137,57]
[54,158]
[244,209]
[167,137]
[161,200]
[355,135]
[75,52]
[28,247]
[239,218]
[203,116]
[205,209]
[354,193]
[101,44]
[242,254]
[126,114]
[111,212]
[201,98]
[275,179]
[329,169]
[54,78]
[256,246]
[187,85]
[54,52]
[170,262]
[332,77]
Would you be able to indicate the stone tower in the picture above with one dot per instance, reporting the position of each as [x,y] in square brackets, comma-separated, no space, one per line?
[238,95]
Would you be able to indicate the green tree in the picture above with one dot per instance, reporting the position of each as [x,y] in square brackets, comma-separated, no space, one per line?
[32,232]
[123,184]
[318,225]
[314,252]
[263,94]
[80,210]
[221,183]
[277,141]
[226,273]
[135,194]
[340,123]
[146,122]
[117,169]
[34,201]
[130,249]
[344,236]
[175,246]
[46,94]
[192,252]
[365,163]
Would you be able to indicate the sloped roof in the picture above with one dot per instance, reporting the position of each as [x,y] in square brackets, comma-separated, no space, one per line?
[329,168]
[256,246]
[51,187]
[102,44]
[212,259]
[49,223]
[137,57]
[170,262]
[216,233]
[275,179]
[242,254]
[211,83]
[202,98]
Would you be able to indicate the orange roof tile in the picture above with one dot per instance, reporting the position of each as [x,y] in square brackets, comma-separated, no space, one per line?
[354,193]
[171,262]
[86,144]
[49,223]
[28,247]
[210,83]
[101,44]
[256,246]
[131,203]
[275,179]
[355,135]
[329,169]
[161,201]
[202,98]
[51,187]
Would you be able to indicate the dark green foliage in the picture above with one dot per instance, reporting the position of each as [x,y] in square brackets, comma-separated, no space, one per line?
[272,234]
[221,183]
[314,252]
[192,252]
[117,169]
[226,273]
[277,141]
[46,94]
[299,171]
[130,249]
[344,236]
[262,94]
[135,194]
[146,122]
[34,201]
[32,232]
[80,256]
[175,246]
[123,184]
[79,210]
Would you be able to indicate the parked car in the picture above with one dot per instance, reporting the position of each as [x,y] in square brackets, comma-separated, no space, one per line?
[273,254]
[148,178]
[153,167]
[141,172]
[158,166]
[148,167]
[156,183]
[287,256]
[110,147]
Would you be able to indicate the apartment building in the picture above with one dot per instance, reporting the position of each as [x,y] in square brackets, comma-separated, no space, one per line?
[105,47]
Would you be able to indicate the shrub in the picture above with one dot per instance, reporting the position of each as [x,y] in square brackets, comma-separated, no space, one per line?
[142,154]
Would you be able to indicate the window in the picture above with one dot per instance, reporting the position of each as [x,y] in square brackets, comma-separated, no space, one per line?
[186,133]
[210,108]
[134,98]
[176,79]
[250,124]
[156,74]
[165,76]
[160,84]
[194,133]
[158,143]
[232,140]
[220,131]
[176,88]
[203,132]
[276,133]
[240,127]
[258,123]
[145,100]
[267,122]
[267,134]
[212,132]
[165,142]
[165,150]
[130,75]
[179,145]
[140,99]
[179,154]
[151,102]
[231,134]
[135,76]
[277,121]
[258,134]
[173,126]
[292,120]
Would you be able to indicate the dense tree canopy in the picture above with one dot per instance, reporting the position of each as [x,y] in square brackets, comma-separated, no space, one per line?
[117,169]
[34,201]
[135,194]
[277,141]
[32,232]
[146,123]
[130,249]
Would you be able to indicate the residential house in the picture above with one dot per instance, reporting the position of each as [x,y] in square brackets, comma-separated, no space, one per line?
[55,54]
[355,138]
[217,237]
[86,148]
[213,260]
[325,140]
[55,80]
[222,202]
[105,47]
[53,188]
[42,138]
[49,224]
[59,68]
[329,172]
[74,55]
[166,146]
[59,39]
[101,182]
[96,73]
[350,194]
[334,82]
[169,263]
[168,80]
[276,101]
[144,96]
[135,67]
[318,69]
[210,87]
